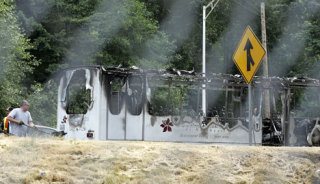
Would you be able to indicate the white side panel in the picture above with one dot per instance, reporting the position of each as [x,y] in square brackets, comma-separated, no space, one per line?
[189,130]
[85,122]
[103,111]
[134,126]
[117,125]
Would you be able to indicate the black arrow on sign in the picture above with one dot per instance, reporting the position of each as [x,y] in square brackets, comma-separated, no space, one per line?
[250,61]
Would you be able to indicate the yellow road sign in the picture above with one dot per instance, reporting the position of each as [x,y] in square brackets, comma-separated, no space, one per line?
[248,55]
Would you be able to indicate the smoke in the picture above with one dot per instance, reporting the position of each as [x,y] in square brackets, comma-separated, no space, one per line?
[176,28]
[5,50]
[284,56]
[305,100]
[180,23]
[219,52]
[11,49]
[288,54]
[286,51]
[180,20]
[32,11]
[102,25]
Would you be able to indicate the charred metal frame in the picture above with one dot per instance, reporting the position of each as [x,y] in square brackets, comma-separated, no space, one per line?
[223,82]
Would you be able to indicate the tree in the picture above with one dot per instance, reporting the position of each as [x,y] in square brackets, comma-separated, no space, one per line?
[16,63]
[107,32]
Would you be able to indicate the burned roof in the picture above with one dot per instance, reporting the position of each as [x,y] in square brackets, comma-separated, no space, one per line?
[184,76]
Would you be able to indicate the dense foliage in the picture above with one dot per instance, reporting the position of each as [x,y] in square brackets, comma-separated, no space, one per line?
[15,61]
[38,37]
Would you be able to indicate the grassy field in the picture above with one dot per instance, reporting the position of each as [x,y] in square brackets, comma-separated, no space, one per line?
[31,160]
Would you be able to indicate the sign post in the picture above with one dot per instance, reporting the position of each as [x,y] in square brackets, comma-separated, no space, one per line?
[250,113]
[248,57]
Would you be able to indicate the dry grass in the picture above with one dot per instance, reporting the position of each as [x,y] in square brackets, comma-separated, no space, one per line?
[27,160]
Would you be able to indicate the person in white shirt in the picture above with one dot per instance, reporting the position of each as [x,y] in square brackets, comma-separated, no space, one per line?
[20,119]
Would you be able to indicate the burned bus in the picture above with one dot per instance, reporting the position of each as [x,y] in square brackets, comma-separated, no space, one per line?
[165,105]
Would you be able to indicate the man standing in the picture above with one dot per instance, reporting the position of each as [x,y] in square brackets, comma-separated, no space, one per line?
[20,119]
